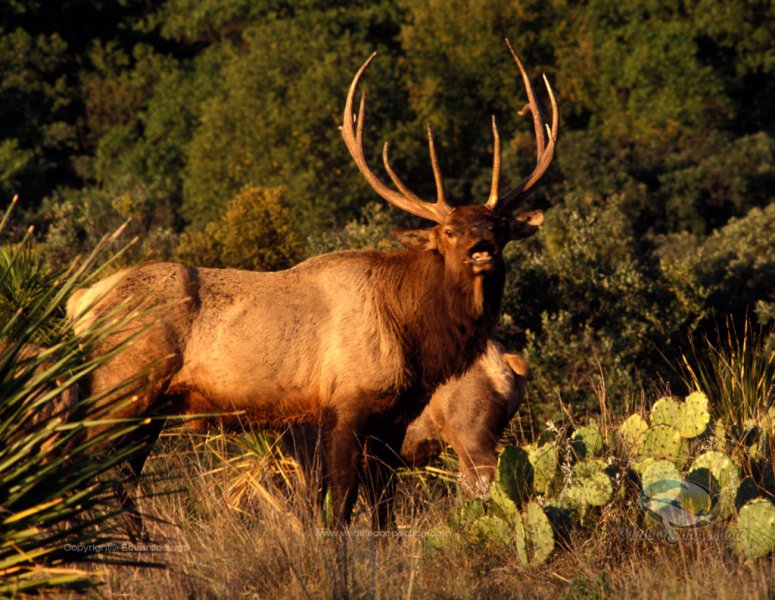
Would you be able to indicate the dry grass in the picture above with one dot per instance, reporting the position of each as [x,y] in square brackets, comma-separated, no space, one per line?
[244,526]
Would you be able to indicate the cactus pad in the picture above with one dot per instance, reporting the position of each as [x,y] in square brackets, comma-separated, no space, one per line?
[651,471]
[535,538]
[492,530]
[587,441]
[693,415]
[718,474]
[661,441]
[754,532]
[591,485]
[665,412]
[461,517]
[720,436]
[633,430]
[515,473]
[544,462]
[502,505]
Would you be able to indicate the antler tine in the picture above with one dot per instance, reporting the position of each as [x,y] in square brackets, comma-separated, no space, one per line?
[544,150]
[492,201]
[524,188]
[393,175]
[406,200]
[441,198]
[532,104]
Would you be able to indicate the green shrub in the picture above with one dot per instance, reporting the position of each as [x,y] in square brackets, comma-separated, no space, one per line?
[372,231]
[586,300]
[256,232]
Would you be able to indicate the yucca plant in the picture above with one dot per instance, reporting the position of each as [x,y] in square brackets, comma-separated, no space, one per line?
[58,449]
[737,375]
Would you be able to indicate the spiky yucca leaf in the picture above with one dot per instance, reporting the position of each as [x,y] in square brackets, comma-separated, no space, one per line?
[58,449]
[738,375]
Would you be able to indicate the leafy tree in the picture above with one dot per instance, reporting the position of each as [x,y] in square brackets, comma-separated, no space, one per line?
[731,270]
[458,73]
[273,119]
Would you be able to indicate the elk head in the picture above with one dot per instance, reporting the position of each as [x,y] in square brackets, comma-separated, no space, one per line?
[471,238]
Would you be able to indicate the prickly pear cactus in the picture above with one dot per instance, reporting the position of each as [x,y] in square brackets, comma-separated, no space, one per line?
[693,415]
[492,530]
[543,459]
[651,471]
[754,531]
[587,441]
[502,505]
[521,539]
[665,412]
[591,486]
[633,430]
[515,473]
[661,442]
[535,538]
[720,436]
[461,517]
[719,475]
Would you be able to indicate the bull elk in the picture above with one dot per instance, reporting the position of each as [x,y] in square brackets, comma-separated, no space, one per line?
[355,341]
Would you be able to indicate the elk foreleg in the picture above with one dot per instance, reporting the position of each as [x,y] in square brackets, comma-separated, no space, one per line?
[345,454]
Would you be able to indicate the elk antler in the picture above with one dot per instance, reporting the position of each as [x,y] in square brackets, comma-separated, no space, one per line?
[404,199]
[545,152]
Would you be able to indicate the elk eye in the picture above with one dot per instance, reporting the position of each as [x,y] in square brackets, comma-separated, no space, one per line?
[449,233]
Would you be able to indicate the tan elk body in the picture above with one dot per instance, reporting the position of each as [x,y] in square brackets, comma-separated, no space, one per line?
[356,341]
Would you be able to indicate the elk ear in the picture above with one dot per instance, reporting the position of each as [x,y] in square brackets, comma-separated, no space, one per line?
[526,224]
[517,363]
[416,239]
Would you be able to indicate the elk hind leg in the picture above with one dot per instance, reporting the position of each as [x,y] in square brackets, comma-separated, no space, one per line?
[379,477]
[127,489]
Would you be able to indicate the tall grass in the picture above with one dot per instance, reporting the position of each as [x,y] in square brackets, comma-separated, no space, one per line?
[244,526]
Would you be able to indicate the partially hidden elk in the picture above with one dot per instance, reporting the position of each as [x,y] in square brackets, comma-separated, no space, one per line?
[353,341]
[470,412]
[32,362]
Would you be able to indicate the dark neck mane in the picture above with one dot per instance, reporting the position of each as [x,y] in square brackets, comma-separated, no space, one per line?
[443,321]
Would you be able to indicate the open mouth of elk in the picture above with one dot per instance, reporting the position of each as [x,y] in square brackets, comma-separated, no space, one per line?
[483,253]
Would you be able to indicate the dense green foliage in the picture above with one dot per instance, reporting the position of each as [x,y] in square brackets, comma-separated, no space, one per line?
[659,204]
